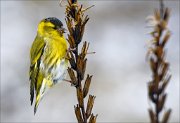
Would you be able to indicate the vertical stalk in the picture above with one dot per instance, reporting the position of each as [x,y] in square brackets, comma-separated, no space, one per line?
[158,64]
[76,22]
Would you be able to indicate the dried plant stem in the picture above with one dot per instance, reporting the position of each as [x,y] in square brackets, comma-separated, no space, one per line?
[76,22]
[158,64]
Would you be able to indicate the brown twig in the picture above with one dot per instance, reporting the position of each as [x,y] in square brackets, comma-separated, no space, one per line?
[159,66]
[76,22]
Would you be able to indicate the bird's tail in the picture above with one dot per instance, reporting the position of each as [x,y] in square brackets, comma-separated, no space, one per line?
[41,92]
[38,98]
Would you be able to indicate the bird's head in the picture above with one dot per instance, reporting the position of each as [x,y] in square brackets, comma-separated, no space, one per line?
[50,26]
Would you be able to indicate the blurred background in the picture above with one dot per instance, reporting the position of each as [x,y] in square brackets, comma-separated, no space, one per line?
[117,33]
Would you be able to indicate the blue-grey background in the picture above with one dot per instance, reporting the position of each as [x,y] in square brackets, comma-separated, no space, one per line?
[117,33]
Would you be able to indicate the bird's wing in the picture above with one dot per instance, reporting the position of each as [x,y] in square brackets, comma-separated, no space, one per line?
[36,52]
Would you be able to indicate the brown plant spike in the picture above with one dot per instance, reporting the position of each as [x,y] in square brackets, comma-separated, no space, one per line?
[76,22]
[159,66]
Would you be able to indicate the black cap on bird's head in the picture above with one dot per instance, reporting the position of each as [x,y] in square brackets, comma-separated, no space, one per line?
[54,21]
[58,25]
[50,24]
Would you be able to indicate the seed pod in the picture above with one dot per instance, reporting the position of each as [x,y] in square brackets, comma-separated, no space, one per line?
[72,60]
[164,69]
[78,114]
[85,20]
[80,97]
[153,64]
[90,105]
[86,85]
[161,102]
[152,116]
[165,82]
[72,76]
[93,119]
[157,14]
[71,42]
[159,51]
[79,64]
[166,116]
[166,38]
[83,69]
[166,15]
[84,49]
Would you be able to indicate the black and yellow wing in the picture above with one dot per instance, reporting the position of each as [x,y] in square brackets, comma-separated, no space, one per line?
[36,53]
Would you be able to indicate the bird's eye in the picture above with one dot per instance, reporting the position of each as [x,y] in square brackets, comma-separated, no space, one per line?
[54,27]
[45,20]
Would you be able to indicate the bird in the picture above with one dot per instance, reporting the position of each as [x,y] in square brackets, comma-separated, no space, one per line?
[48,62]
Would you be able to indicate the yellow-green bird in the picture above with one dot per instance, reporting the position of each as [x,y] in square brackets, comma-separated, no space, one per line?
[47,58]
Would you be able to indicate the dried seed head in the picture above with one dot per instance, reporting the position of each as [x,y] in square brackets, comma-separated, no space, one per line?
[157,61]
[76,22]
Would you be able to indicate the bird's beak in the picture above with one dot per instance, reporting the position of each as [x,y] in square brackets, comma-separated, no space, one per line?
[62,30]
